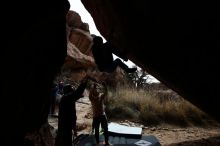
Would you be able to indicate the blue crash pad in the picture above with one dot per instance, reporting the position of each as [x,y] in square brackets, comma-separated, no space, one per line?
[146,140]
[121,135]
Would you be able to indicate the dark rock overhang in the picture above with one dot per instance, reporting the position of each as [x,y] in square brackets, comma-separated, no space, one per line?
[177,43]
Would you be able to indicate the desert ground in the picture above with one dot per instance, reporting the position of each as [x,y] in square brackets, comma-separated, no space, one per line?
[168,135]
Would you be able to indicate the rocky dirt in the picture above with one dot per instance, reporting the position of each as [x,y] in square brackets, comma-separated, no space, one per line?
[167,135]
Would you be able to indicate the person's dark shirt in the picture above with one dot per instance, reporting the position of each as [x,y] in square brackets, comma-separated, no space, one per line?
[67,107]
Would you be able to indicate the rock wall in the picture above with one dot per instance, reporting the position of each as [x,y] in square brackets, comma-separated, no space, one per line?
[33,48]
[79,58]
[79,61]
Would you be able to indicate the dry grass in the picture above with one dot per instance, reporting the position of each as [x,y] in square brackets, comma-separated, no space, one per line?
[153,108]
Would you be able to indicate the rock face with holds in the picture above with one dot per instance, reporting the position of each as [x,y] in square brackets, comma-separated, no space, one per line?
[79,60]
[79,41]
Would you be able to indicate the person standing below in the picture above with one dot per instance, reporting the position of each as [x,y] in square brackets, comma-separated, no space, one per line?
[54,91]
[67,113]
[97,96]
[60,87]
[103,56]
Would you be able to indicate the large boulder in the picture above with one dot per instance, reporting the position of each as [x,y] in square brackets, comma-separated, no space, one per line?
[176,42]
[79,58]
[82,40]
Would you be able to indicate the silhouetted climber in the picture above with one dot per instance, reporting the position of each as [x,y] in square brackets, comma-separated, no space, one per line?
[97,96]
[102,53]
[67,114]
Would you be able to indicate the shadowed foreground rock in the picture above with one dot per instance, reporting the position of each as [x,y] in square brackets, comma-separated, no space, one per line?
[33,47]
